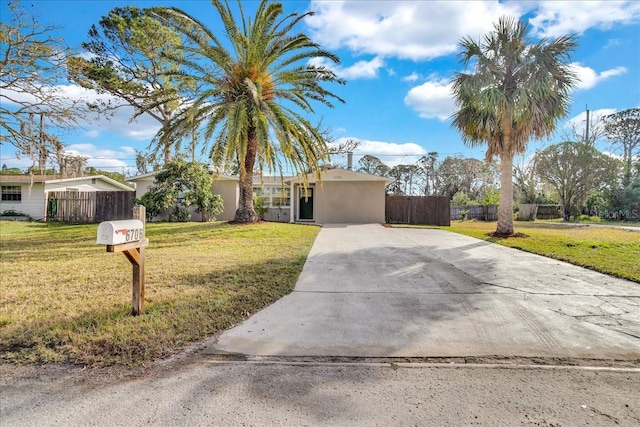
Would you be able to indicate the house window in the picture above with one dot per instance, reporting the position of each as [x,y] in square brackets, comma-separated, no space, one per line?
[281,197]
[274,197]
[11,193]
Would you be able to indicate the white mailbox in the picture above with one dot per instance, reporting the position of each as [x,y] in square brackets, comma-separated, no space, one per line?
[119,232]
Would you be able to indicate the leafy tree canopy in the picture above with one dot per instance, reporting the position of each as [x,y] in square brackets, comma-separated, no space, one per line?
[179,186]
[575,171]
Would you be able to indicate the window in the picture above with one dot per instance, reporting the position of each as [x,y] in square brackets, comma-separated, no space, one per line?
[281,197]
[274,197]
[11,193]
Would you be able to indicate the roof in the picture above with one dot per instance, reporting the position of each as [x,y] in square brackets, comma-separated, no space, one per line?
[343,175]
[55,179]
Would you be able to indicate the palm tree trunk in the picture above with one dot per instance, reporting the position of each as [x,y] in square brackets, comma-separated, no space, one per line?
[505,210]
[245,212]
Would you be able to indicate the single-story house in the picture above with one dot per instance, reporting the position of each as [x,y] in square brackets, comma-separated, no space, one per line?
[28,194]
[339,196]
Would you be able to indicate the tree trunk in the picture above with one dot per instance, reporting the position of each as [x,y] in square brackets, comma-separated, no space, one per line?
[505,210]
[245,212]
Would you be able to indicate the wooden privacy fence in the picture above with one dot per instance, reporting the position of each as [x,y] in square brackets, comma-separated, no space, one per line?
[481,212]
[428,210]
[531,212]
[89,206]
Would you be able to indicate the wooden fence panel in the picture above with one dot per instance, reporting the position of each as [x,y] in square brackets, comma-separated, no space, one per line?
[114,205]
[427,210]
[481,212]
[89,206]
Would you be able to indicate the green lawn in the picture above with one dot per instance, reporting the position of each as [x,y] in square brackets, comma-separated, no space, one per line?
[611,251]
[64,298]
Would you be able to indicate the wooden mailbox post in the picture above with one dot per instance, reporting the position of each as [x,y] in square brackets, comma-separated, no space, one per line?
[128,237]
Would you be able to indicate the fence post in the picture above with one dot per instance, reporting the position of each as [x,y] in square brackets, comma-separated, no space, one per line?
[137,300]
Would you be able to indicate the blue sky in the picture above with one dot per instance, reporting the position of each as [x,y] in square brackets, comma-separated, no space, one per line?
[398,58]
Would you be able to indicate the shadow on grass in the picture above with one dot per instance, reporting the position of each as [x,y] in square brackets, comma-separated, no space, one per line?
[208,303]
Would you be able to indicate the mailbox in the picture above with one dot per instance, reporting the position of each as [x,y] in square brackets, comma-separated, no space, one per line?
[119,232]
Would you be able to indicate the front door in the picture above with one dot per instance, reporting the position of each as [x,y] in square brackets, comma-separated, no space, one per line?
[306,204]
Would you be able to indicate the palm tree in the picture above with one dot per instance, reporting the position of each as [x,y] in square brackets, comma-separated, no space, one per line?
[516,90]
[254,93]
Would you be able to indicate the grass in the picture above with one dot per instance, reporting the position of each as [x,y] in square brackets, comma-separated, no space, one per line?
[607,250]
[65,299]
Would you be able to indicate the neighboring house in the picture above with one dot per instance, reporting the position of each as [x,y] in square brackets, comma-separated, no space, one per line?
[28,194]
[340,196]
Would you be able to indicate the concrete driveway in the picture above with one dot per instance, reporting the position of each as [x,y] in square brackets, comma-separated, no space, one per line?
[371,291]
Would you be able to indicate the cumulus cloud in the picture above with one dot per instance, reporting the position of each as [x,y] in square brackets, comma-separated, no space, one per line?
[589,78]
[359,70]
[580,119]
[432,99]
[404,29]
[557,18]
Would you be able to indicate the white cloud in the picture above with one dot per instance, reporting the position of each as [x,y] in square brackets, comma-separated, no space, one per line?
[411,77]
[432,99]
[143,128]
[102,158]
[557,18]
[92,134]
[589,78]
[359,70]
[404,29]
[390,153]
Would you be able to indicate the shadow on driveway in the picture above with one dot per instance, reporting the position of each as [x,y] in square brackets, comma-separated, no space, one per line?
[370,291]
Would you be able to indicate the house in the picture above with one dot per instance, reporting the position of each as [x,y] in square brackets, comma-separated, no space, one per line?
[339,196]
[29,194]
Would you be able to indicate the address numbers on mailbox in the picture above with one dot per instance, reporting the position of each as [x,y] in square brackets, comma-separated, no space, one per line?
[119,232]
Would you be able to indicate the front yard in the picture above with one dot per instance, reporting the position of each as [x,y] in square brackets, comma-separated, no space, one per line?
[608,250]
[65,299]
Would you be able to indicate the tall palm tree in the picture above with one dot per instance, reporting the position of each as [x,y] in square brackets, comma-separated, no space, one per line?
[254,92]
[515,91]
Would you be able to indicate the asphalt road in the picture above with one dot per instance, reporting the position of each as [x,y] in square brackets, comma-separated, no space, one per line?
[309,394]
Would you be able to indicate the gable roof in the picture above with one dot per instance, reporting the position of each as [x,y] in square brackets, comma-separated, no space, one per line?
[55,179]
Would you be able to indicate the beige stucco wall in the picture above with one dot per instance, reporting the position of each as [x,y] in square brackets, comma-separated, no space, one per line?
[229,191]
[142,186]
[349,202]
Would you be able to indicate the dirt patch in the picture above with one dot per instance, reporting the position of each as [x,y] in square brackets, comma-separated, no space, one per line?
[507,236]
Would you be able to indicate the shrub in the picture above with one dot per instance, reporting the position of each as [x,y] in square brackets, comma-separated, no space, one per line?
[260,208]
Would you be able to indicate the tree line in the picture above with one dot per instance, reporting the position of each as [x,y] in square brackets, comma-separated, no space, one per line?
[574,175]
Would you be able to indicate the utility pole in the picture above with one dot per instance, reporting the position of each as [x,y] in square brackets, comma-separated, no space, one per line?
[586,131]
